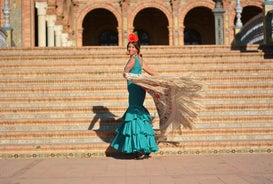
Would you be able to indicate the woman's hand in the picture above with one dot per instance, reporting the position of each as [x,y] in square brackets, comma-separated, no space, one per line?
[124,74]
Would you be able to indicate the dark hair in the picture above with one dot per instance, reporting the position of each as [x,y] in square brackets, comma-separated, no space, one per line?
[136,45]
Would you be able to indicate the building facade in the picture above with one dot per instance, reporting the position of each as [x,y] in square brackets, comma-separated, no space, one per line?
[50,23]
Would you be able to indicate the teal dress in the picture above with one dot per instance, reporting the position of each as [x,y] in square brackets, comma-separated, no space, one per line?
[136,133]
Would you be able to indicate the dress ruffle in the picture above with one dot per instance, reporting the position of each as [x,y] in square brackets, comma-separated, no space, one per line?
[135,134]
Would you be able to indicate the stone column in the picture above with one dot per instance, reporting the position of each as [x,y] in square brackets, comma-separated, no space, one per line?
[181,35]
[219,22]
[123,29]
[174,40]
[239,23]
[120,31]
[79,37]
[58,35]
[7,27]
[51,19]
[6,12]
[170,35]
[175,29]
[64,39]
[42,7]
[268,10]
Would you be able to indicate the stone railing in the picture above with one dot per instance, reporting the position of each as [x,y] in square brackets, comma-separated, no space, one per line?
[3,37]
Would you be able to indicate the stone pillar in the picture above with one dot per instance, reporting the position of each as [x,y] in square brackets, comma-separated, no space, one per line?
[6,12]
[7,27]
[58,35]
[181,35]
[51,19]
[175,30]
[268,10]
[239,23]
[219,22]
[123,30]
[64,39]
[120,31]
[170,35]
[79,37]
[42,8]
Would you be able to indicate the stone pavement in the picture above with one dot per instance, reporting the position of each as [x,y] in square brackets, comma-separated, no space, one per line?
[190,169]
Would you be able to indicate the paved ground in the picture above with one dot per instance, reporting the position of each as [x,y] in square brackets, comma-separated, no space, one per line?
[191,169]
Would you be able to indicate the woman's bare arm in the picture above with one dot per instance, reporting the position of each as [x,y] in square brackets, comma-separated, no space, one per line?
[129,66]
[147,69]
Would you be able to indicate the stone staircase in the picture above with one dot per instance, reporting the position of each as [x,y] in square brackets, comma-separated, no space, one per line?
[67,102]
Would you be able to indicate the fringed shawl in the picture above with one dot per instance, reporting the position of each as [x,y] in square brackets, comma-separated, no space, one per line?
[176,99]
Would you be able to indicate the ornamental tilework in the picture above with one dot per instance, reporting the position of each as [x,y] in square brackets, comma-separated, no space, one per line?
[159,153]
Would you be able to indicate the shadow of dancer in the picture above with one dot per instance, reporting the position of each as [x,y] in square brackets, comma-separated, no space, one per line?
[108,122]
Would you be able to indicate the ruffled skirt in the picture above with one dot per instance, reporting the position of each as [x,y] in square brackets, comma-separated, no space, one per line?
[136,133]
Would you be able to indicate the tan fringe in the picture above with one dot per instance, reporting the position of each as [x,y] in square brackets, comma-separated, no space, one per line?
[184,96]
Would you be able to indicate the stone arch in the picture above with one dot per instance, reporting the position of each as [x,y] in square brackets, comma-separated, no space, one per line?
[92,6]
[231,16]
[140,6]
[250,12]
[184,10]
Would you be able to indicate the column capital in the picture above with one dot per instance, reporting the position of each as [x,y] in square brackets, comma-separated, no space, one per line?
[51,19]
[58,29]
[42,7]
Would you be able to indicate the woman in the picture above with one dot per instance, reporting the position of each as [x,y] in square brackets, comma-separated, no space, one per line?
[135,134]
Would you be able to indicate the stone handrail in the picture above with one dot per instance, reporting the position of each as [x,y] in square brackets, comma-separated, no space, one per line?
[252,32]
[3,37]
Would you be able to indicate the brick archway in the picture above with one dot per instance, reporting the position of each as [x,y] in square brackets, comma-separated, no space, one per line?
[183,12]
[231,15]
[92,6]
[140,6]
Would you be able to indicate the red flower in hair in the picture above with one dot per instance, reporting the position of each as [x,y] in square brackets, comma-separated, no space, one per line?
[132,37]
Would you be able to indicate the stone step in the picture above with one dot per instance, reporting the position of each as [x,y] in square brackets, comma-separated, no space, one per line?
[224,91]
[90,50]
[227,73]
[104,59]
[111,123]
[147,55]
[91,136]
[89,82]
[57,95]
[93,101]
[75,108]
[90,66]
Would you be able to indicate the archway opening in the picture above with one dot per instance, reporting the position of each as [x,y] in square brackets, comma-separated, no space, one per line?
[152,27]
[248,13]
[199,27]
[100,28]
[36,27]
[192,37]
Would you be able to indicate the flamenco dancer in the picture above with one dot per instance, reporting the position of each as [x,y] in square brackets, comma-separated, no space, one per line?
[135,134]
[175,97]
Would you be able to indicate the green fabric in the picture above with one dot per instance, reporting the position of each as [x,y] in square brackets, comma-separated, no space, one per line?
[136,133]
